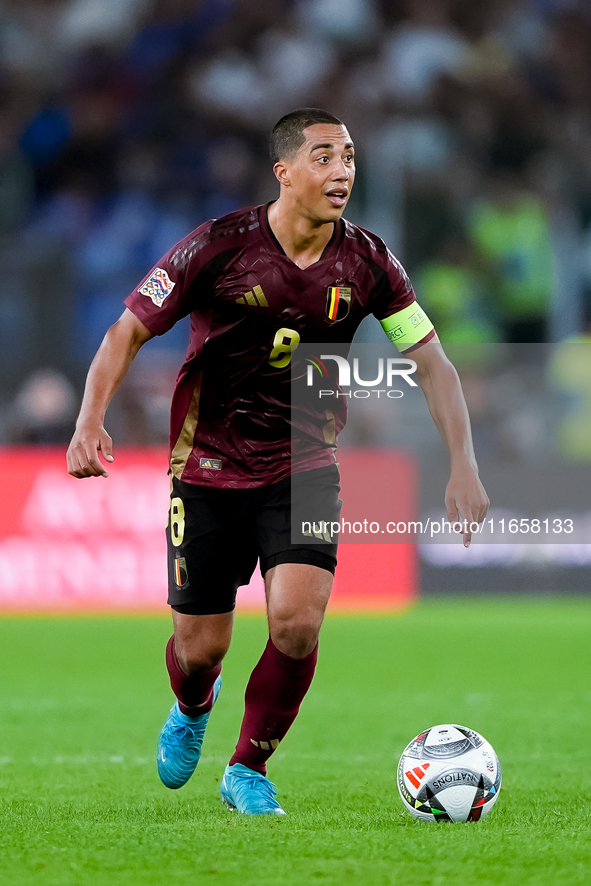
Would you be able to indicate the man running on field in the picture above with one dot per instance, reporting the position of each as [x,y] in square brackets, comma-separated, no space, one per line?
[257,284]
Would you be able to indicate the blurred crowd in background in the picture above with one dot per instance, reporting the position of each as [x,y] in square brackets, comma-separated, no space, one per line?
[124,124]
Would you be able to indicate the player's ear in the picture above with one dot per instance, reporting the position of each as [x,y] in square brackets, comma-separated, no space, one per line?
[281,170]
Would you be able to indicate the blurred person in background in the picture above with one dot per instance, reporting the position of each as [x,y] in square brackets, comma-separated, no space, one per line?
[455,294]
[510,230]
[43,411]
[569,372]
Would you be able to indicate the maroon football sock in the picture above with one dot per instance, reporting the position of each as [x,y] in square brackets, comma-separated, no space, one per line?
[192,692]
[273,698]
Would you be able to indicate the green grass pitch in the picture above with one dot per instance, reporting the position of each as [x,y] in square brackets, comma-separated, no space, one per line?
[82,701]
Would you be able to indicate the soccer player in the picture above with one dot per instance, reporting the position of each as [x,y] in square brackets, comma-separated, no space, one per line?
[257,283]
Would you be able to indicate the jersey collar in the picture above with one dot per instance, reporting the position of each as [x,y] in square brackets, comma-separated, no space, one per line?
[331,246]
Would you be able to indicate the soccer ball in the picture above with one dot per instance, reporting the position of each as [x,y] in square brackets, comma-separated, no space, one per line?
[449,773]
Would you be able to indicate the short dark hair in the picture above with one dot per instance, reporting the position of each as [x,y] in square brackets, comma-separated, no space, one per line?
[288,136]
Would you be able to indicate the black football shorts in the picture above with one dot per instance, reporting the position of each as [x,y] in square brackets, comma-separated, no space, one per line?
[216,536]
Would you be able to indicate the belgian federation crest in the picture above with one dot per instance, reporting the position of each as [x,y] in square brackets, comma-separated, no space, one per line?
[181,576]
[338,302]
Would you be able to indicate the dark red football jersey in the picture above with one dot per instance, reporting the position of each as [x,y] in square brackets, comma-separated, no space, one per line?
[250,307]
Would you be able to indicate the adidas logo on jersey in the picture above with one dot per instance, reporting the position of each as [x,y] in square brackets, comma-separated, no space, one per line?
[211,464]
[256,298]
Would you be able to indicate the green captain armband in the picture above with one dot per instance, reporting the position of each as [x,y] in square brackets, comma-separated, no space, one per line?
[407,327]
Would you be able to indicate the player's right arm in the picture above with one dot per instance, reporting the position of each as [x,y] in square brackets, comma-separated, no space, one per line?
[108,369]
[170,291]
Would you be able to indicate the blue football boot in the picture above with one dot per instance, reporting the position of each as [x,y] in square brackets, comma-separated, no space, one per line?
[179,744]
[248,791]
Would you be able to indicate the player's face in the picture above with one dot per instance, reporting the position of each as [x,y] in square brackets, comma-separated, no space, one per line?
[321,175]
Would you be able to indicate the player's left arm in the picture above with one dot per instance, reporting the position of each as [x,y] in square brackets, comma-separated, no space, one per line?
[465,496]
[409,328]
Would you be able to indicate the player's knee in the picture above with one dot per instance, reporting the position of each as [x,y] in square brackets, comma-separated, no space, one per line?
[194,660]
[296,636]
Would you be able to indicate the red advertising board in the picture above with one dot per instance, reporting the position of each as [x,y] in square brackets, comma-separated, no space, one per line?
[98,544]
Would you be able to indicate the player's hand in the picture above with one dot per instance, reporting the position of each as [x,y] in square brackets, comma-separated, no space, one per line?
[466,500]
[83,452]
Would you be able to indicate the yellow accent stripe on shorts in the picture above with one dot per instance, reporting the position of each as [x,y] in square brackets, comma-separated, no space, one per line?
[407,327]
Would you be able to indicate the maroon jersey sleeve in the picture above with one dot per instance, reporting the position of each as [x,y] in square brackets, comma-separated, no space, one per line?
[394,290]
[395,303]
[177,284]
